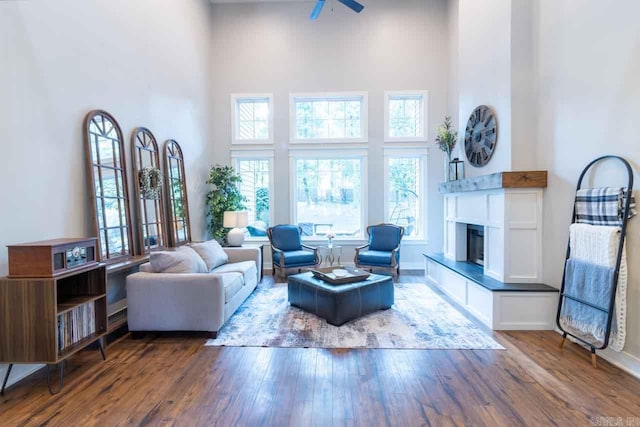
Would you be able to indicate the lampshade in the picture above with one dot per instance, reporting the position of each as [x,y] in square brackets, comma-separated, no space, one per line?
[235,219]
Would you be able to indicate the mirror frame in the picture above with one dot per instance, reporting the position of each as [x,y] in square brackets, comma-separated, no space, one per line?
[173,151]
[143,143]
[93,117]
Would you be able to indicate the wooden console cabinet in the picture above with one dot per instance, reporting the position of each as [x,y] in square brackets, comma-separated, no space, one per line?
[32,309]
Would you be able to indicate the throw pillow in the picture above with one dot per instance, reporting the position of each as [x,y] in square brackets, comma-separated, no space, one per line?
[211,252]
[182,260]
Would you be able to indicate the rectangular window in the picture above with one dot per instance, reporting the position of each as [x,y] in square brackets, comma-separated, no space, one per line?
[404,194]
[328,195]
[405,116]
[340,117]
[252,118]
[256,172]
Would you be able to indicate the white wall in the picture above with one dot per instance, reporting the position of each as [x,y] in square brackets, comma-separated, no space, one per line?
[484,73]
[588,83]
[144,61]
[273,47]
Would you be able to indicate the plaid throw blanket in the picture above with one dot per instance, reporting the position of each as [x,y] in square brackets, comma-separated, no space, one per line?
[602,206]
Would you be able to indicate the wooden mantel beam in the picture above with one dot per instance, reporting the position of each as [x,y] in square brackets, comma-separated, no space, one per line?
[515,179]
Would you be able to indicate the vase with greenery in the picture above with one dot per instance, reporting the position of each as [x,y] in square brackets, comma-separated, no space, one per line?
[224,196]
[446,140]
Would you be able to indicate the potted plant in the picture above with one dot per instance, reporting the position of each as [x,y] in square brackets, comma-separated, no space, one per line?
[446,140]
[224,196]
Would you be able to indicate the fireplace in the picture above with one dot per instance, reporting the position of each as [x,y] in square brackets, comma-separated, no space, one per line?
[475,244]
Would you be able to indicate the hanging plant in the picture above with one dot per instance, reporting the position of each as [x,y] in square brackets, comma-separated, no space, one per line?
[150,180]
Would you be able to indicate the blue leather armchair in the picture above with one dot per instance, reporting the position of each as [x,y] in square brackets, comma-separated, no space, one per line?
[287,250]
[383,250]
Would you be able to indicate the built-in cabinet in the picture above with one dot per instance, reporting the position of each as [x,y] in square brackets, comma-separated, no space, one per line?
[512,221]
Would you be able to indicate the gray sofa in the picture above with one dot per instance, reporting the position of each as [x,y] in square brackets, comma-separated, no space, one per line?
[192,301]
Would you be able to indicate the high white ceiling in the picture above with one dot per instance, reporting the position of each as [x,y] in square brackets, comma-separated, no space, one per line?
[257,1]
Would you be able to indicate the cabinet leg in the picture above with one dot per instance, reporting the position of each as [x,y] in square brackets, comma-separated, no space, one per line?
[564,338]
[61,381]
[6,378]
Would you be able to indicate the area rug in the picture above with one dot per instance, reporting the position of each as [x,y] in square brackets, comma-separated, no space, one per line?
[419,319]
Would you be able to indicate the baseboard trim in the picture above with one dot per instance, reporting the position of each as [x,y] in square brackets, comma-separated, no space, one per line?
[18,372]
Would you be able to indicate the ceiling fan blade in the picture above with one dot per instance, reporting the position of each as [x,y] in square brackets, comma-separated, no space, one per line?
[353,5]
[316,10]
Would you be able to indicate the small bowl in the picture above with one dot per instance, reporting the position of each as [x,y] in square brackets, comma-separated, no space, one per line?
[338,272]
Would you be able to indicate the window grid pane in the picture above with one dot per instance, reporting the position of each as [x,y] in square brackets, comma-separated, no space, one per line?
[405,116]
[328,118]
[252,119]
[255,187]
[328,196]
[403,198]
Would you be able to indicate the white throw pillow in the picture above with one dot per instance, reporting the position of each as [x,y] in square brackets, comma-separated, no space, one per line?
[182,260]
[211,252]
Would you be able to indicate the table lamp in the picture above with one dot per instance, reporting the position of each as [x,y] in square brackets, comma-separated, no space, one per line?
[235,220]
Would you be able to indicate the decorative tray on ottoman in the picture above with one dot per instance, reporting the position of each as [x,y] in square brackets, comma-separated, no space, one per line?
[352,275]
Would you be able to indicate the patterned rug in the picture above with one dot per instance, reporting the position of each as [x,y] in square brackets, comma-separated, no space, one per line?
[419,319]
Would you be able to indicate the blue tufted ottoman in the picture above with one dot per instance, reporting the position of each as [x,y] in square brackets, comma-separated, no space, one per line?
[340,303]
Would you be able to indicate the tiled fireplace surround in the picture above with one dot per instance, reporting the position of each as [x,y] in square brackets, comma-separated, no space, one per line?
[506,293]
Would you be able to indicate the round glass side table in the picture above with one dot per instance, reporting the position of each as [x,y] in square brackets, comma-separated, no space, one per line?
[329,255]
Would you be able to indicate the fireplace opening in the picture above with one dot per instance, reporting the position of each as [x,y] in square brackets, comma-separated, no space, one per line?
[475,244]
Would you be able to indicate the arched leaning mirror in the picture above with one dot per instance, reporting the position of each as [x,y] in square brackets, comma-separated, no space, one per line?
[107,177]
[149,190]
[177,202]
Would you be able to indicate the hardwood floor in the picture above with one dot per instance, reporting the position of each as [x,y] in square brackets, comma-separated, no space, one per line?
[176,380]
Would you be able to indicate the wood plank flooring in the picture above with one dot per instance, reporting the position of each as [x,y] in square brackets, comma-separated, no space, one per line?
[175,380]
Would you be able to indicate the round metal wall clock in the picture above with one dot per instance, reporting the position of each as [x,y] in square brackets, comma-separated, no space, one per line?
[481,136]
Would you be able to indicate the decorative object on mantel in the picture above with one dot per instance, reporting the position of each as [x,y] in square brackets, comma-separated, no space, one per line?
[446,141]
[150,179]
[494,181]
[456,169]
[481,136]
[592,304]
[224,196]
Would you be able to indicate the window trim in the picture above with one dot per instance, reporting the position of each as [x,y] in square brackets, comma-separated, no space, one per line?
[362,154]
[235,97]
[424,110]
[364,117]
[267,154]
[409,152]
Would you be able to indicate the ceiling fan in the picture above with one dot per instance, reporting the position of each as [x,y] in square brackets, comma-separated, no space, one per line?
[351,4]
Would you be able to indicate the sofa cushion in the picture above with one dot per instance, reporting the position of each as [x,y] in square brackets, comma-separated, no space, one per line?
[211,252]
[248,270]
[146,268]
[295,258]
[286,237]
[379,258]
[182,260]
[232,283]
